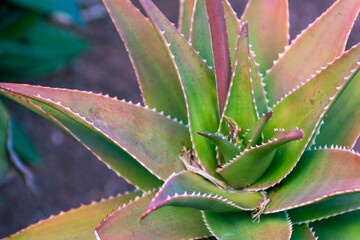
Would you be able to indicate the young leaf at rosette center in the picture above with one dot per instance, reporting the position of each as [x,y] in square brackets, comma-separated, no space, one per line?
[240,104]
[312,100]
[198,83]
[150,59]
[228,149]
[316,39]
[166,223]
[185,15]
[269,29]
[252,138]
[251,164]
[75,224]
[320,174]
[342,121]
[240,225]
[188,189]
[344,227]
[302,232]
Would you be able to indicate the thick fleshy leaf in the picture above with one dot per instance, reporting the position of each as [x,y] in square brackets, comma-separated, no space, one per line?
[252,138]
[228,149]
[187,189]
[185,14]
[165,223]
[316,39]
[319,175]
[342,121]
[74,224]
[139,131]
[268,28]
[240,104]
[302,232]
[240,225]
[198,83]
[344,227]
[4,123]
[312,101]
[252,163]
[150,59]
[332,206]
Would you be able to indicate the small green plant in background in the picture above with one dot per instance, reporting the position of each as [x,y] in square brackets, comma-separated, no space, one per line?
[240,135]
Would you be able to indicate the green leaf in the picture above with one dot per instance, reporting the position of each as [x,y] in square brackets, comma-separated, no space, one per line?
[342,121]
[187,189]
[74,224]
[186,10]
[253,137]
[150,59]
[302,232]
[111,127]
[268,29]
[4,123]
[251,164]
[69,7]
[344,227]
[166,223]
[320,174]
[239,225]
[316,39]
[198,83]
[312,100]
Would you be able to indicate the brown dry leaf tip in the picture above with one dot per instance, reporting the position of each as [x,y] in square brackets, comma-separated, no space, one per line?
[261,208]
[193,164]
[233,129]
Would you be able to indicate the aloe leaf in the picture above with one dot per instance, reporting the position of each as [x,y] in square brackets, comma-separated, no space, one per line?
[186,10]
[251,164]
[254,135]
[268,29]
[4,123]
[345,112]
[200,33]
[150,59]
[239,225]
[326,208]
[345,227]
[198,83]
[75,224]
[302,232]
[286,73]
[187,189]
[312,100]
[165,223]
[113,127]
[240,104]
[319,175]
[228,149]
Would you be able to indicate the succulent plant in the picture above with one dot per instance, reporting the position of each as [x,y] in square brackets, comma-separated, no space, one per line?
[239,136]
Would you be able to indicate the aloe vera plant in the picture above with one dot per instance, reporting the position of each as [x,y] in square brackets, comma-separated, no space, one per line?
[240,135]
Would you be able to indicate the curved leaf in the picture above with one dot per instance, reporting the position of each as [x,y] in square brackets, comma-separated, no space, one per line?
[254,135]
[150,59]
[316,39]
[166,223]
[185,15]
[302,232]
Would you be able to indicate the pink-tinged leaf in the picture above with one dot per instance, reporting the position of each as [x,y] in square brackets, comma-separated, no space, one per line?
[220,48]
[312,100]
[240,225]
[166,223]
[332,206]
[152,64]
[251,164]
[302,232]
[269,29]
[320,174]
[342,121]
[253,137]
[185,14]
[344,227]
[198,83]
[240,103]
[326,37]
[74,224]
[139,131]
[188,189]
